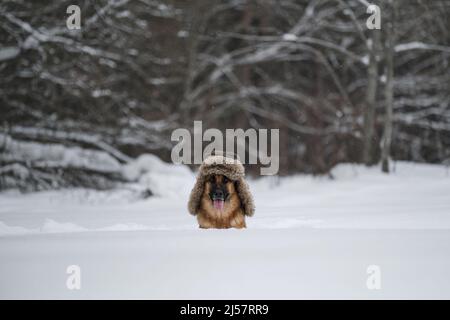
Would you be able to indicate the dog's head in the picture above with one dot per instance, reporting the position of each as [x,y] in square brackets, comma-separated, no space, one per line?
[221,184]
[219,189]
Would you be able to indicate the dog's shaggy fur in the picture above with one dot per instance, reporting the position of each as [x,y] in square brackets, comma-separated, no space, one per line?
[229,175]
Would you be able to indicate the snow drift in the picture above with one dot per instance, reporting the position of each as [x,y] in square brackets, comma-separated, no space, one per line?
[310,238]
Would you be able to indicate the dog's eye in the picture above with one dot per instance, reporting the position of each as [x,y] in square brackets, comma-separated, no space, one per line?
[211,179]
[225,179]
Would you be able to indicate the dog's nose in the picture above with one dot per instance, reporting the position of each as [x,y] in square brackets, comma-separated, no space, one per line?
[219,193]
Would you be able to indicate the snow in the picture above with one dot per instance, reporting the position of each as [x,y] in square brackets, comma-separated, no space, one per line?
[289,37]
[311,237]
[57,155]
[365,60]
[417,45]
[7,53]
[163,179]
[183,34]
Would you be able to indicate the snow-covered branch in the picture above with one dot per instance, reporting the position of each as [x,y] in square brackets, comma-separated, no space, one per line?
[421,46]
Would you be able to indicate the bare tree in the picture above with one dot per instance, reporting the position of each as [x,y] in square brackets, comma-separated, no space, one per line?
[371,96]
[139,69]
[389,88]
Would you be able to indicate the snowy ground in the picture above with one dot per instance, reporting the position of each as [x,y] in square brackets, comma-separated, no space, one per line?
[310,238]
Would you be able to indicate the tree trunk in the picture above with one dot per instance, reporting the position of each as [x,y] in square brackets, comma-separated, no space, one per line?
[371,94]
[389,90]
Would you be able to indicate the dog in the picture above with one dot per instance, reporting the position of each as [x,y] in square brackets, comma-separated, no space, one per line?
[220,206]
[221,197]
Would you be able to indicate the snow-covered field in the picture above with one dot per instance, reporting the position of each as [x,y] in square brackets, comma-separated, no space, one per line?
[310,238]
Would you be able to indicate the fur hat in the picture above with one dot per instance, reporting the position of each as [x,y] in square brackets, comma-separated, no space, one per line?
[230,168]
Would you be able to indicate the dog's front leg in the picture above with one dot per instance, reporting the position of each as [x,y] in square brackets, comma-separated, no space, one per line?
[204,223]
[238,221]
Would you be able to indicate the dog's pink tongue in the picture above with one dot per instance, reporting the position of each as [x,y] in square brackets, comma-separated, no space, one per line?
[218,204]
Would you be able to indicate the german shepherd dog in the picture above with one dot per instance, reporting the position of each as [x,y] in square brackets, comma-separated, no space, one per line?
[220,206]
[221,197]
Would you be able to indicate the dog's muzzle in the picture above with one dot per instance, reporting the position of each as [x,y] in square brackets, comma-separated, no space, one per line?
[218,198]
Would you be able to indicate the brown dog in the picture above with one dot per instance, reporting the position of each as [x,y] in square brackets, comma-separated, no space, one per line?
[221,197]
[220,206]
